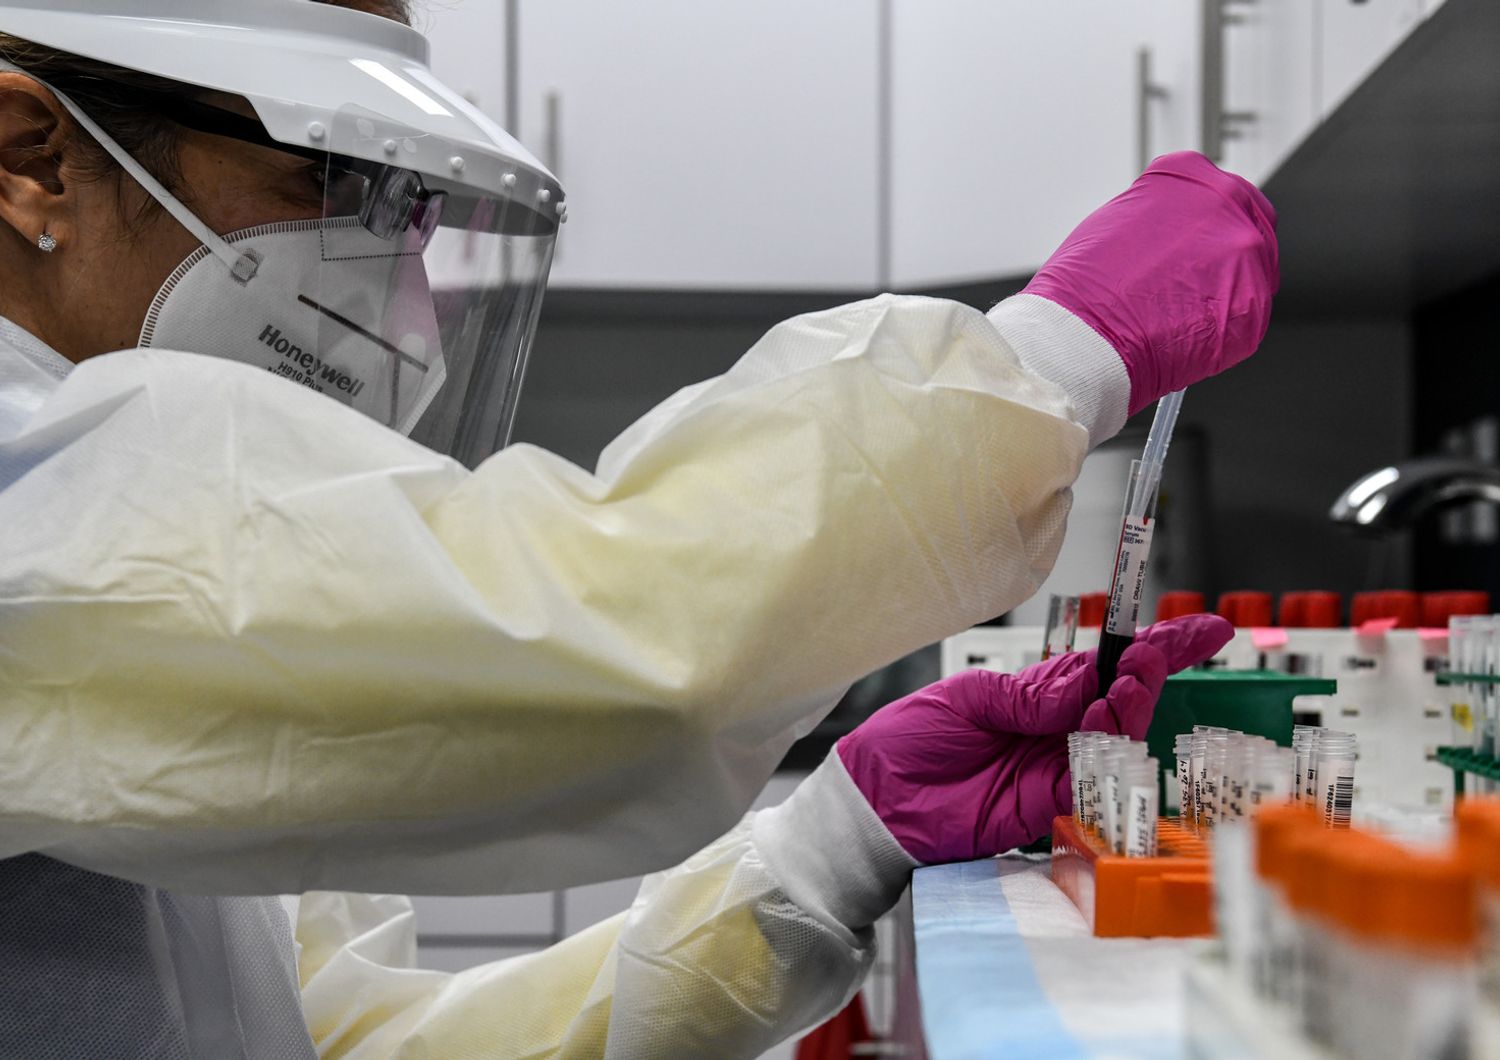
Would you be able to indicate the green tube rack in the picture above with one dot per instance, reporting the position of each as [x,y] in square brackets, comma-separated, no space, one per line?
[1466,762]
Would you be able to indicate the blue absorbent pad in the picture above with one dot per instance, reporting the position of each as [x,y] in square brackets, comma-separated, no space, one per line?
[1006,968]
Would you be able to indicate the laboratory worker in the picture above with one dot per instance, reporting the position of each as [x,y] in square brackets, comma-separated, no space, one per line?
[280,614]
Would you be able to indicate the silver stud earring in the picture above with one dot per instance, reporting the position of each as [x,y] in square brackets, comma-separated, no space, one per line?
[47,243]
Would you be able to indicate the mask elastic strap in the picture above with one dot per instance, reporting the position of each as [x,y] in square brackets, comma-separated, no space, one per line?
[241,265]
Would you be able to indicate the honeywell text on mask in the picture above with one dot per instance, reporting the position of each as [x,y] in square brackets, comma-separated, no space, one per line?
[302,367]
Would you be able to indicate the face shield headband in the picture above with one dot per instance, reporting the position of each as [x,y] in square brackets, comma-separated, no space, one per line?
[389,201]
[414,305]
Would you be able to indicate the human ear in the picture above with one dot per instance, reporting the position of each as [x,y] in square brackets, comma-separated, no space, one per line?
[33,129]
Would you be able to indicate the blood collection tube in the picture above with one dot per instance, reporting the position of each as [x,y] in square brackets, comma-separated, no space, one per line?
[1137,523]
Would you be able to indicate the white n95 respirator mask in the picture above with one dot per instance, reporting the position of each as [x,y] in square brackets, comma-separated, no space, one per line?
[330,307]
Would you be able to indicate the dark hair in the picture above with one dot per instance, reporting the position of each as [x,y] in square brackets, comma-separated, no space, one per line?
[119,99]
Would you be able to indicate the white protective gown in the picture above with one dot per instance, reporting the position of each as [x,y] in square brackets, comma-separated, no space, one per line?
[256,644]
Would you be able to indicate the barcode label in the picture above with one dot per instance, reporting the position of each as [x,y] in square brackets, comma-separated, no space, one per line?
[1340,802]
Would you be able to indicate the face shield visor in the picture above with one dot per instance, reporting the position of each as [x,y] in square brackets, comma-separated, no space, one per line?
[429,290]
[410,296]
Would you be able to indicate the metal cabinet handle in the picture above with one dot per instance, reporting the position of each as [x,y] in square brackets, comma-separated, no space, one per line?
[1218,124]
[513,67]
[553,133]
[1146,90]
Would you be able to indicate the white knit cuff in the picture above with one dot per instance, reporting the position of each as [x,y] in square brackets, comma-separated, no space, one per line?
[830,851]
[1054,344]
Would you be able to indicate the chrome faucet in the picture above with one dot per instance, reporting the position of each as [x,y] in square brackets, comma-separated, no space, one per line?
[1393,498]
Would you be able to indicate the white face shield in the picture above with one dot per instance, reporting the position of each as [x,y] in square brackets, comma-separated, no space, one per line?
[413,294]
[413,304]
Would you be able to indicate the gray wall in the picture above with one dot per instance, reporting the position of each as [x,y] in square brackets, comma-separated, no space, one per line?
[591,376]
[1324,400]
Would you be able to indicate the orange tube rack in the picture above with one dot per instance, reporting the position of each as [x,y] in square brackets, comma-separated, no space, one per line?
[1168,895]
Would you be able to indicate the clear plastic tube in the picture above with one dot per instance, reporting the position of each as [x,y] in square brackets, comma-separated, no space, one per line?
[1314,985]
[1302,739]
[1182,747]
[1075,743]
[1273,772]
[1199,745]
[1163,423]
[1062,625]
[1287,773]
[1279,965]
[1461,631]
[1410,1005]
[1120,763]
[1200,737]
[1136,525]
[1094,765]
[1234,900]
[1334,796]
[1141,808]
[1489,907]
[1476,631]
[1083,781]
[1489,664]
[1103,793]
[1109,780]
[1238,771]
[1215,759]
[1116,791]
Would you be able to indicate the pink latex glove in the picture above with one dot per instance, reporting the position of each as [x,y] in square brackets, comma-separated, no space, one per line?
[1176,273]
[978,763]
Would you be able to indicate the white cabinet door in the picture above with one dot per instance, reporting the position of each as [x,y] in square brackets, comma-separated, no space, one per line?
[1356,36]
[468,50]
[714,146]
[1011,121]
[1271,60]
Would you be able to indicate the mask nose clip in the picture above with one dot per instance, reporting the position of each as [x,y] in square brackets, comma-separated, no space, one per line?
[245,268]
